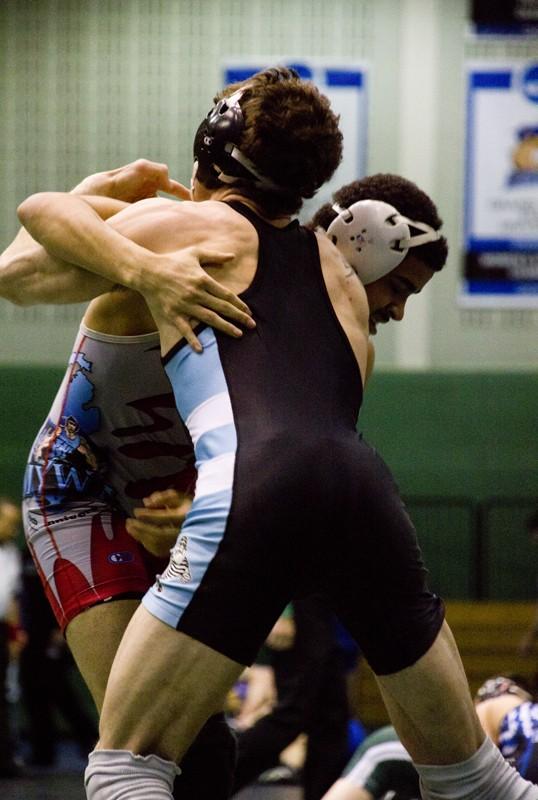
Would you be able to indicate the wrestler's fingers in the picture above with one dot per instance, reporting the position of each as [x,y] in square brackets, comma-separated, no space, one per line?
[158,541]
[185,328]
[145,532]
[210,257]
[162,517]
[214,320]
[140,530]
[213,290]
[177,189]
[226,308]
[164,497]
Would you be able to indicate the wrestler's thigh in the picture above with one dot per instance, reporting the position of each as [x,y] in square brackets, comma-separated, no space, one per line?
[94,575]
[163,686]
[375,569]
[430,705]
[93,638]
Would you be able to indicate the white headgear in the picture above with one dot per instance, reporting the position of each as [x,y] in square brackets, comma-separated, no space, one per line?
[374,238]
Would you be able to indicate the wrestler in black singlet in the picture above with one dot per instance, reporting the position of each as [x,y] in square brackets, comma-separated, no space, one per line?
[289,497]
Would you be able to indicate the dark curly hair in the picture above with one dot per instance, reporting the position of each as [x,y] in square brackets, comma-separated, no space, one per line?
[405,196]
[292,136]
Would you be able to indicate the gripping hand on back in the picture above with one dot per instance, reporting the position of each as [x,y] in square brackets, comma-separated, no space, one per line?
[184,294]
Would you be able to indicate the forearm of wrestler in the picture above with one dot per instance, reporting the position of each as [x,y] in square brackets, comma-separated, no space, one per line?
[30,275]
[175,288]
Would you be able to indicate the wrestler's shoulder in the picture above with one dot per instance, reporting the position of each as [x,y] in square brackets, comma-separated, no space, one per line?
[205,216]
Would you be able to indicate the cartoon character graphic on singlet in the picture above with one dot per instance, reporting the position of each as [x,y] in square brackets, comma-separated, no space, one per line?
[64,464]
[66,444]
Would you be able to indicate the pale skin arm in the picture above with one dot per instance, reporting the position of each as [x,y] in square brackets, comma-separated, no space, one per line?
[30,275]
[177,289]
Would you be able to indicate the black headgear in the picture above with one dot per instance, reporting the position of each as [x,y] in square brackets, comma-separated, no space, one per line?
[216,150]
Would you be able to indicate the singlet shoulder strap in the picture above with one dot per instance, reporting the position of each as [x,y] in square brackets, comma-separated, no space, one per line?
[257,221]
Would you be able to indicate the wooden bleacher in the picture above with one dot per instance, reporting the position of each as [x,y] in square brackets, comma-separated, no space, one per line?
[488,635]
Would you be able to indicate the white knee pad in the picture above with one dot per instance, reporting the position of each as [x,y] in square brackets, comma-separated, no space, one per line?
[484,776]
[120,775]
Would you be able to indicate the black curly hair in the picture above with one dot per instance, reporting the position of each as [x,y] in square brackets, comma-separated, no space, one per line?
[405,196]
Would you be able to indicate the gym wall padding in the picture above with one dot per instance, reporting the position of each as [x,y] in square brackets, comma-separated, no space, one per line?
[452,440]
[464,449]
[456,433]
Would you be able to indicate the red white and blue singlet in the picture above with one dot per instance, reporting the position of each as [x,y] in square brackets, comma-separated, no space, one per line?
[111,438]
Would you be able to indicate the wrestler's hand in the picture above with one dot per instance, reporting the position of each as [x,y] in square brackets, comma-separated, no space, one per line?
[182,294]
[134,181]
[156,525]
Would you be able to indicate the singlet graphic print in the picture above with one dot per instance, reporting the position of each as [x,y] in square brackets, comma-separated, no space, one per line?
[64,462]
[106,437]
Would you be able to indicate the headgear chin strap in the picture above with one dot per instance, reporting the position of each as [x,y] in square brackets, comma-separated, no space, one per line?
[216,150]
[374,238]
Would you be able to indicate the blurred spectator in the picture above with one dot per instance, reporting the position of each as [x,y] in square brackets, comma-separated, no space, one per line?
[528,640]
[382,768]
[46,675]
[310,669]
[10,569]
[379,769]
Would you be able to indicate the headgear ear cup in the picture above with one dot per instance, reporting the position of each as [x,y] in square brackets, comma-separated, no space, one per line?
[225,120]
[215,146]
[374,238]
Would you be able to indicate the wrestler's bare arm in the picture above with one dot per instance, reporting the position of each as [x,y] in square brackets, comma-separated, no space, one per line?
[29,275]
[136,249]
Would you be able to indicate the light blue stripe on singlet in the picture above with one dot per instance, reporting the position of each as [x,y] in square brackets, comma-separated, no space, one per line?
[203,528]
[215,443]
[196,377]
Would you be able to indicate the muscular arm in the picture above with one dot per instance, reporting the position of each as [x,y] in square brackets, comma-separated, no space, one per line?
[30,275]
[132,250]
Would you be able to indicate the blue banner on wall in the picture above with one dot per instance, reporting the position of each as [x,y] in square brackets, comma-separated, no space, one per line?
[501,185]
[346,87]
